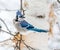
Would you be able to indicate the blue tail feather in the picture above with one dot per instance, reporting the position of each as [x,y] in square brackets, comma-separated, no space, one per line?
[37,30]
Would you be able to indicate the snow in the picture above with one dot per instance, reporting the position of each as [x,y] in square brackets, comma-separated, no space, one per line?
[42,38]
[36,40]
[9,4]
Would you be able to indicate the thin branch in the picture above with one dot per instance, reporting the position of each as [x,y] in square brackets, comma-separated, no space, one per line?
[5,25]
[29,47]
[6,32]
[5,40]
[3,43]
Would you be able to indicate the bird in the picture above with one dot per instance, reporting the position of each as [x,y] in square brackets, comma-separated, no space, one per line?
[21,23]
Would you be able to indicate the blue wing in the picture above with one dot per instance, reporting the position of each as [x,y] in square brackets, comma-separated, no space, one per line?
[25,24]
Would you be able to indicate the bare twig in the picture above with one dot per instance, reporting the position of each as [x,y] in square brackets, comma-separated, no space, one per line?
[29,47]
[5,25]
[18,44]
[5,40]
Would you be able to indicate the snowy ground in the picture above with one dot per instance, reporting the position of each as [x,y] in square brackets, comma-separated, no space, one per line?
[35,8]
[36,40]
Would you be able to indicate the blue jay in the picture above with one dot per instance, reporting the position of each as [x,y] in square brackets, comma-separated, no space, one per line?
[24,24]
